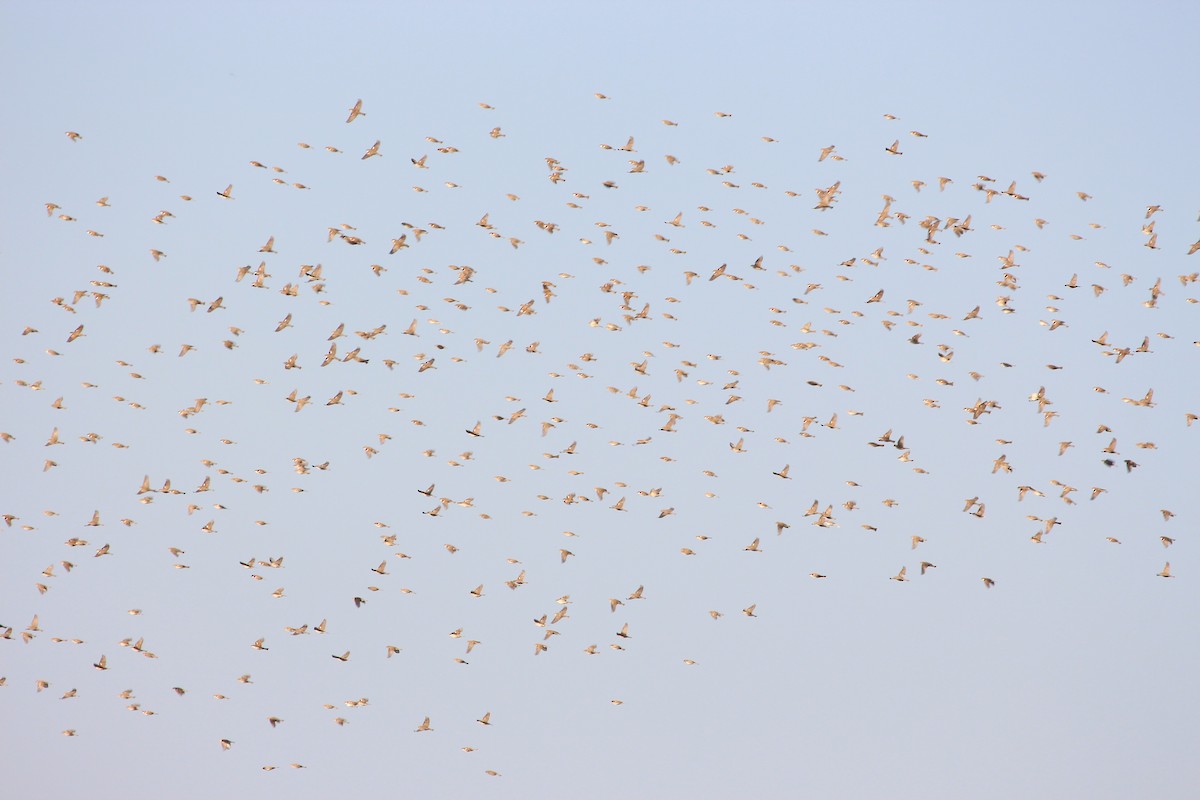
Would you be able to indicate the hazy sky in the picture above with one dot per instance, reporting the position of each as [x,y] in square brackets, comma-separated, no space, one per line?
[943,360]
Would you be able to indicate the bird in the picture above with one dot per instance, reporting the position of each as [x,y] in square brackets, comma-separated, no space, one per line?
[356,111]
[424,726]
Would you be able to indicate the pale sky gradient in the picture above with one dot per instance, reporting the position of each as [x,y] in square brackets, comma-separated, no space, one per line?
[1073,676]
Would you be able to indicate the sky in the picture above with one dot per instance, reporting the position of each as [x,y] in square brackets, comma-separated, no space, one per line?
[362,440]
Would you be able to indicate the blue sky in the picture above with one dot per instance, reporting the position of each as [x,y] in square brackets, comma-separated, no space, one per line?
[1069,675]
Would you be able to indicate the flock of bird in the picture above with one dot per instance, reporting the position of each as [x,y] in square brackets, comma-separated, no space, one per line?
[777,390]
